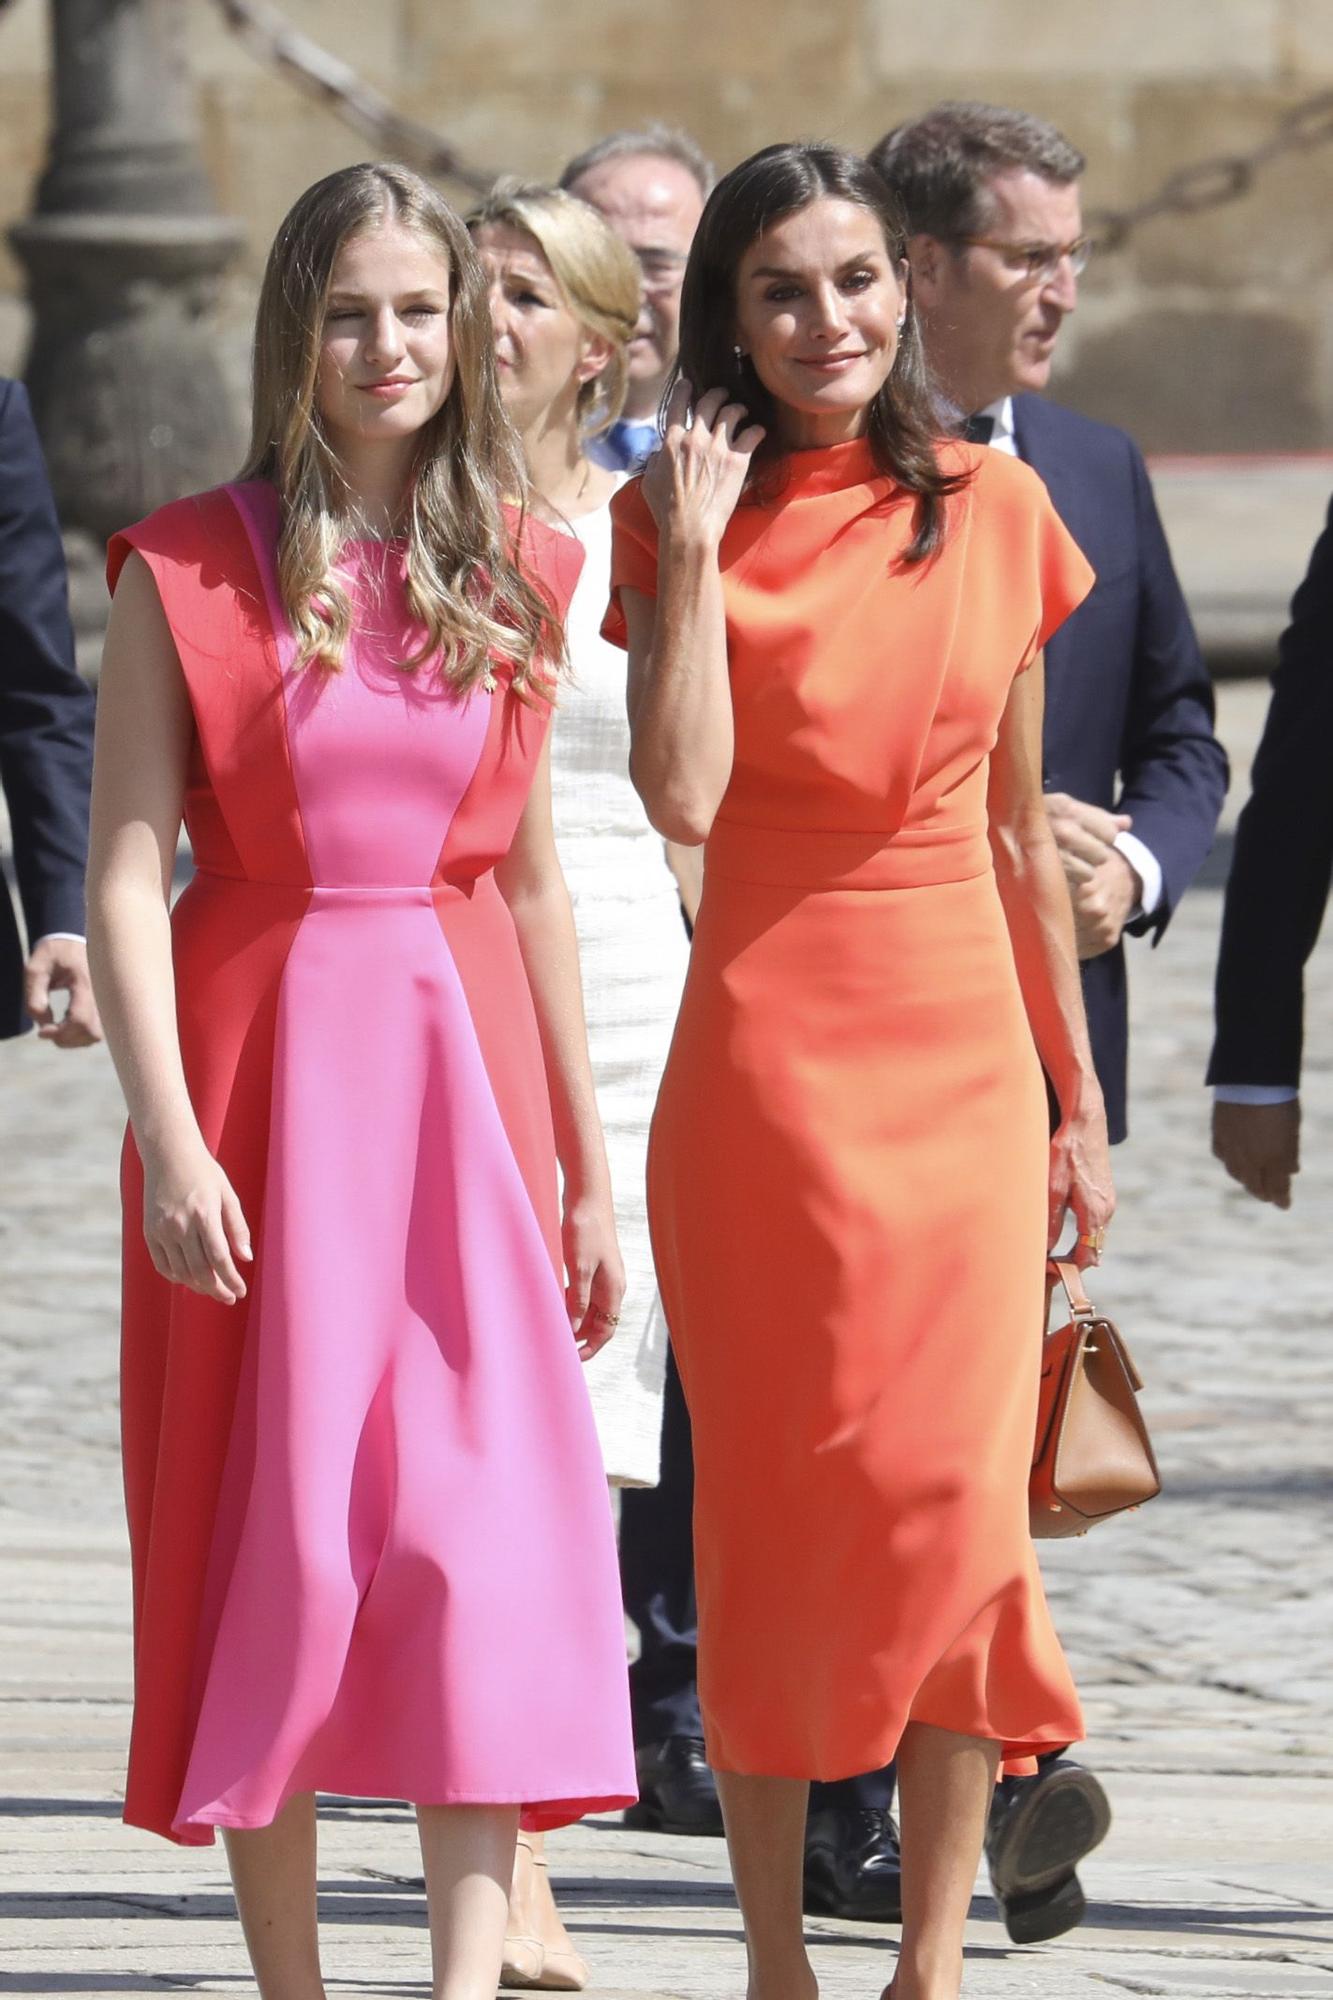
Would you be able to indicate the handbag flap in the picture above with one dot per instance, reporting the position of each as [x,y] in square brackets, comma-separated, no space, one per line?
[1103,1456]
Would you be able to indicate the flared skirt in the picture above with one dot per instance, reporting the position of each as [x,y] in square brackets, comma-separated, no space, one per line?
[373,1546]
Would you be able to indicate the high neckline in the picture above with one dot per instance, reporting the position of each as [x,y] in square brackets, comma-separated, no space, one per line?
[830,468]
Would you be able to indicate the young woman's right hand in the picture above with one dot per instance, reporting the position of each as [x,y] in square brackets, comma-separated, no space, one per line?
[692,484]
[196,1232]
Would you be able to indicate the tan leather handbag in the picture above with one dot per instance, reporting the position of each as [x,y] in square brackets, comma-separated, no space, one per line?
[1093,1455]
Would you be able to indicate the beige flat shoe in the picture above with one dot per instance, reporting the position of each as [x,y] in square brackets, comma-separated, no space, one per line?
[562,1971]
[523,1963]
[528,1964]
[524,1957]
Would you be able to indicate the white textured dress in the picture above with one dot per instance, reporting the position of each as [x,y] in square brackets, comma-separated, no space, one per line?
[633,953]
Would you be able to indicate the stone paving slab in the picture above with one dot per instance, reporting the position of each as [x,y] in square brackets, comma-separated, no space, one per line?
[1241,530]
[1199,1629]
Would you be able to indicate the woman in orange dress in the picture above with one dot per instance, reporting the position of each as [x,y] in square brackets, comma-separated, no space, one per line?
[835,621]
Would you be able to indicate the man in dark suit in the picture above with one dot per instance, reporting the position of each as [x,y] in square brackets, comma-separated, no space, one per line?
[46,735]
[1275,900]
[1134,774]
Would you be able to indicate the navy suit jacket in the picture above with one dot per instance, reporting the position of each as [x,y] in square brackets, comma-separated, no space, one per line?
[46,710]
[1283,862]
[1129,703]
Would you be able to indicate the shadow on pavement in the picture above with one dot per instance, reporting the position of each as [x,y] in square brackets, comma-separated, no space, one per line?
[176,1982]
[1313,1482]
[59,1809]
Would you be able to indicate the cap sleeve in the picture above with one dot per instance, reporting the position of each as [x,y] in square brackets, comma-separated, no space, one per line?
[633,556]
[1064,574]
[118,552]
[180,536]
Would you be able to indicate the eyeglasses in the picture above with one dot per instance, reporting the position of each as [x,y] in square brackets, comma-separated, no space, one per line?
[660,269]
[1039,262]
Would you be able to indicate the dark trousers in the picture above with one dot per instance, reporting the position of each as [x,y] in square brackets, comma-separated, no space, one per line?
[657,1577]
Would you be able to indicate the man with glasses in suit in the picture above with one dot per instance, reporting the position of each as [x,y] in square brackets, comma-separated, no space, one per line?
[1133,773]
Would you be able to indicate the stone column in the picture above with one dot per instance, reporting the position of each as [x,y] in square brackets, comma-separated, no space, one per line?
[124,253]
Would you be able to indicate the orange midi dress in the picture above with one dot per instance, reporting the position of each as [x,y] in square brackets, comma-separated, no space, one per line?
[848,1165]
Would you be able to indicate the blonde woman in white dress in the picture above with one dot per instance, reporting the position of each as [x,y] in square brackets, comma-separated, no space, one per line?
[564,295]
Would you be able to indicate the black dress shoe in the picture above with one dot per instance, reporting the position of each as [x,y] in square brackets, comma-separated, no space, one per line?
[852,1868]
[1040,1829]
[676,1789]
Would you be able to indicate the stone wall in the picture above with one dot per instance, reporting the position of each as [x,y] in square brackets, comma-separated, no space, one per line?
[1205,333]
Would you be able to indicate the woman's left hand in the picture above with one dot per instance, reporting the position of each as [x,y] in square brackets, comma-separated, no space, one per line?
[1081,1182]
[594,1271]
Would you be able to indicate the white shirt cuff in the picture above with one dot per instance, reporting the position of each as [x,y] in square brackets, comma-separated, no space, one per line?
[75,937]
[1254,1093]
[1148,869]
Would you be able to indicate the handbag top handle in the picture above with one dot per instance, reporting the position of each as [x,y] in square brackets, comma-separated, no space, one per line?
[1070,1279]
[1083,1312]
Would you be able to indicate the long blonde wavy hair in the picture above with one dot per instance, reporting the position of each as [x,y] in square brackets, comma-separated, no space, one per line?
[465,584]
[596,273]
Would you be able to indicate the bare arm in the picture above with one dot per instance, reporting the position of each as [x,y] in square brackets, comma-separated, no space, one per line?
[681,736]
[1036,906]
[534,889]
[192,1219]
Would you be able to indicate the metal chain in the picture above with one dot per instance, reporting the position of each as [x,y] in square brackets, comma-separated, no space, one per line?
[1191,190]
[270,36]
[1227,177]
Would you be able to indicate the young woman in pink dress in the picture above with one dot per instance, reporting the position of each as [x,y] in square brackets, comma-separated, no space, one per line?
[361,1468]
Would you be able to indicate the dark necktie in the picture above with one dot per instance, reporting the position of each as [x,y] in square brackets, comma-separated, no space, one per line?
[979,429]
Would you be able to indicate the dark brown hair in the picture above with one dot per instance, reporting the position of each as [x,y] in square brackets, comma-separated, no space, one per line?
[939,165]
[902,427]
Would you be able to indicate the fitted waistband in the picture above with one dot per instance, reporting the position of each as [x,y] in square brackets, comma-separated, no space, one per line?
[816,858]
[345,895]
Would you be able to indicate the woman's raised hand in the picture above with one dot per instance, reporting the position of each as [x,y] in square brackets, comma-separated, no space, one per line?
[196,1232]
[693,483]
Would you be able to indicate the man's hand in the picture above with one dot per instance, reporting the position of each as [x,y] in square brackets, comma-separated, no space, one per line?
[1104,888]
[1104,904]
[1260,1146]
[60,965]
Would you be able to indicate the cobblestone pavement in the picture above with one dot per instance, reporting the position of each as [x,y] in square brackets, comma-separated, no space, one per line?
[1199,1629]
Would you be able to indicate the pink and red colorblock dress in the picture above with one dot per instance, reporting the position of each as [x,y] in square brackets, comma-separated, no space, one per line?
[372,1546]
